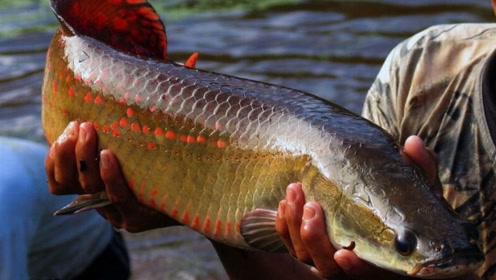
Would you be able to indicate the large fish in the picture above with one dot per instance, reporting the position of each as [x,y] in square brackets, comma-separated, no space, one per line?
[216,152]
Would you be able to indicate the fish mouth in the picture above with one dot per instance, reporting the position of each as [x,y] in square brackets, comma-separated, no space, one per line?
[455,265]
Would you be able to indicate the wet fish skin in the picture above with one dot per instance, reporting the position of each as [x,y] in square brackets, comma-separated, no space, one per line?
[216,153]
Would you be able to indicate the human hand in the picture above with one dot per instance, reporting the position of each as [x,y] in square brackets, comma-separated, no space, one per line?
[74,165]
[302,226]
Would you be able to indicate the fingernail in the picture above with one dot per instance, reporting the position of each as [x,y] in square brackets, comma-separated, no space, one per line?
[83,135]
[104,160]
[290,195]
[68,132]
[308,212]
[51,152]
[281,209]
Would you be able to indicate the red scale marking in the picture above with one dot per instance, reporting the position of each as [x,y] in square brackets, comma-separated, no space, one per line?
[190,139]
[123,122]
[158,132]
[71,92]
[151,145]
[185,219]
[99,99]
[206,225]
[129,112]
[138,98]
[196,222]
[201,139]
[146,129]
[218,227]
[88,97]
[106,128]
[153,194]
[183,138]
[170,134]
[221,144]
[116,133]
[96,125]
[114,125]
[174,213]
[135,127]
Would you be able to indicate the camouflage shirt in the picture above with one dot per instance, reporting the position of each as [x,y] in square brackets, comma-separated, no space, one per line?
[438,84]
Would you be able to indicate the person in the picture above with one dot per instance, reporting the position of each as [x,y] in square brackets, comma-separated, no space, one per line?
[438,85]
[36,245]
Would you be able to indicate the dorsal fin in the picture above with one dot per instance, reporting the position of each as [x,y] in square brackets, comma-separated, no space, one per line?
[191,61]
[130,26]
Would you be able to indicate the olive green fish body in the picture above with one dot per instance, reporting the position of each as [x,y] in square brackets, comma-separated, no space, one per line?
[217,152]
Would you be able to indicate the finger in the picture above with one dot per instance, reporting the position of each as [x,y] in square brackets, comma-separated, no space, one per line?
[115,184]
[314,237]
[295,199]
[126,211]
[60,164]
[282,227]
[356,268]
[87,159]
[116,187]
[415,149]
[112,215]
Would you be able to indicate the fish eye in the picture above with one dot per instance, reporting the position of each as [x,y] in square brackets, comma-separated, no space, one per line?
[405,242]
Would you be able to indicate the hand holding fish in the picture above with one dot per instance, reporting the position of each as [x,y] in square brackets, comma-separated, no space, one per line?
[75,166]
[302,226]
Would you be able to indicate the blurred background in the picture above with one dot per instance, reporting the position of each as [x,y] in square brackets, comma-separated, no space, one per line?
[333,49]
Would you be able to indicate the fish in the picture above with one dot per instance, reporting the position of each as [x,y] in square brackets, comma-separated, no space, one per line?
[216,152]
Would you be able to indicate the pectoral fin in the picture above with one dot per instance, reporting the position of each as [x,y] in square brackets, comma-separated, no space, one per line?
[258,228]
[83,203]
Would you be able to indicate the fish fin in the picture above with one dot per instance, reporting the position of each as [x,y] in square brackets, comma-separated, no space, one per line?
[130,26]
[258,228]
[191,61]
[84,203]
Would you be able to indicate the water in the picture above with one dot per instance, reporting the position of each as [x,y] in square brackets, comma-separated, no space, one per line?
[333,49]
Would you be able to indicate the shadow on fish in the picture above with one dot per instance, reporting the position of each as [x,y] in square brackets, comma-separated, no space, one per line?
[216,152]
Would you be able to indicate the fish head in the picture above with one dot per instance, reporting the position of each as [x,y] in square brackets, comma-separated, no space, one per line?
[396,221]
[387,212]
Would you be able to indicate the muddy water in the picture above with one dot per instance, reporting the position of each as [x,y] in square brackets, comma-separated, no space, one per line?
[331,48]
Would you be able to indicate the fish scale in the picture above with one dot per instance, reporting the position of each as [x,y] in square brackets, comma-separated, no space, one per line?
[216,152]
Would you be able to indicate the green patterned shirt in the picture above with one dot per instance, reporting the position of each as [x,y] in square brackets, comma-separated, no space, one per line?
[432,85]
